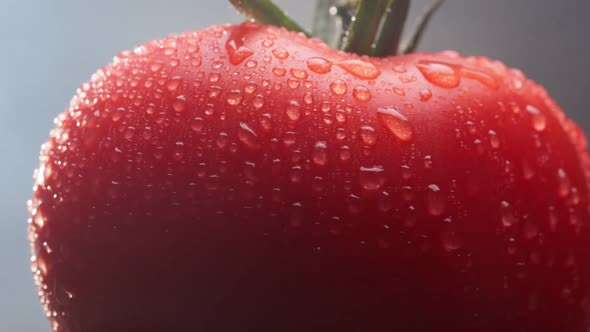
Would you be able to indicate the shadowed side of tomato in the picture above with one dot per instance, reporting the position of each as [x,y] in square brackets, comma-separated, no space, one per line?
[247,178]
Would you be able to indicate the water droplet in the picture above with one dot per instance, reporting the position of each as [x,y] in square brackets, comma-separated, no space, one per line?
[39,219]
[237,52]
[361,93]
[399,91]
[279,71]
[338,87]
[247,136]
[319,65]
[425,94]
[308,98]
[435,200]
[222,140]
[289,139]
[406,172]
[320,154]
[196,61]
[299,73]
[407,193]
[156,66]
[178,151]
[251,63]
[197,124]
[410,217]
[266,122]
[428,162]
[368,135]
[396,123]
[214,77]
[563,183]
[451,241]
[494,140]
[129,133]
[268,43]
[538,119]
[360,69]
[480,76]
[344,153]
[293,111]
[258,101]
[173,84]
[293,83]
[234,97]
[372,178]
[399,69]
[179,105]
[440,74]
[249,87]
[506,215]
[280,53]
[296,174]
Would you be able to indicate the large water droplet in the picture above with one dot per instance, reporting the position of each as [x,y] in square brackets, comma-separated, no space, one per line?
[440,74]
[360,69]
[435,200]
[372,178]
[319,65]
[396,123]
[237,52]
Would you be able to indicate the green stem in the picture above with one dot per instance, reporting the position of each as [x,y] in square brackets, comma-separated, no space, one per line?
[332,19]
[387,42]
[411,43]
[365,26]
[375,29]
[266,12]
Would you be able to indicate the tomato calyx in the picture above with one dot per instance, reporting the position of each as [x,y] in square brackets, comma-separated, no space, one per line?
[365,27]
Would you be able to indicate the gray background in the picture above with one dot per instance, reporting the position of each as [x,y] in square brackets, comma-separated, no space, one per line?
[48,48]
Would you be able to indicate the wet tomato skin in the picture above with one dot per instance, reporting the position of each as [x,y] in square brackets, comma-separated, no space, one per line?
[246,178]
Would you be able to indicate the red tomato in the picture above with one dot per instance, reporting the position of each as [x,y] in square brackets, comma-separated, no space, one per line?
[246,178]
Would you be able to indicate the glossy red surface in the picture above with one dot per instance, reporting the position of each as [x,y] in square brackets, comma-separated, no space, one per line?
[245,178]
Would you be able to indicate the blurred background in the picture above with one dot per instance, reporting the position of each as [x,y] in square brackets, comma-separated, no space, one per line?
[50,47]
